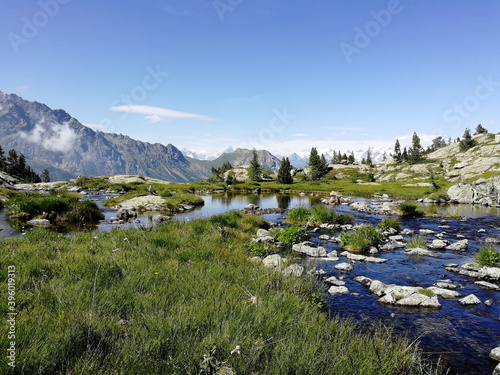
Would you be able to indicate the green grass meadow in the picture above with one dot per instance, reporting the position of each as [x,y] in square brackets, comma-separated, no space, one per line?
[181,298]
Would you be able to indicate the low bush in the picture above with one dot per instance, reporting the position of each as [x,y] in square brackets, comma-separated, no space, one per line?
[409,210]
[389,222]
[361,240]
[293,234]
[319,214]
[417,241]
[488,256]
[259,249]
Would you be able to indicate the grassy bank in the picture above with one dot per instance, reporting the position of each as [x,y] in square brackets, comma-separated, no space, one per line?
[181,298]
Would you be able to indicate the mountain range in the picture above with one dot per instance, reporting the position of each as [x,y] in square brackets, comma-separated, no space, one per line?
[54,140]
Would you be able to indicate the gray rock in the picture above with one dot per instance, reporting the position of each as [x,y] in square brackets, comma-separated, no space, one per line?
[420,251]
[310,249]
[418,299]
[275,260]
[471,299]
[490,273]
[294,270]
[334,281]
[446,285]
[378,287]
[487,285]
[496,371]
[489,302]
[426,231]
[444,293]
[492,240]
[438,244]
[262,233]
[407,232]
[344,267]
[335,290]
[461,245]
[39,223]
[392,245]
[160,218]
[389,298]
[324,237]
[267,239]
[125,214]
[495,353]
[396,238]
[365,281]
[251,207]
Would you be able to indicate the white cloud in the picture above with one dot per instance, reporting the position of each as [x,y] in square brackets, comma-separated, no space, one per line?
[156,114]
[299,135]
[55,137]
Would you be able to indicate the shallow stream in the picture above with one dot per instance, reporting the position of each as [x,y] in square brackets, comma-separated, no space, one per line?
[461,336]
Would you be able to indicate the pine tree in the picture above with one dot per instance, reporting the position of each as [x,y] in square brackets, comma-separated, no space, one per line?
[255,167]
[314,164]
[351,158]
[415,151]
[397,152]
[480,129]
[285,172]
[404,155]
[323,165]
[45,176]
[369,158]
[467,142]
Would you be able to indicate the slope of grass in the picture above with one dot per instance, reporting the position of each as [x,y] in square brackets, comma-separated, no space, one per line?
[181,298]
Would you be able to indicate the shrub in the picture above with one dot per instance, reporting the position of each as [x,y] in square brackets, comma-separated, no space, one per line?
[362,239]
[299,215]
[317,215]
[83,212]
[389,222]
[260,249]
[293,234]
[488,256]
[409,210]
[417,241]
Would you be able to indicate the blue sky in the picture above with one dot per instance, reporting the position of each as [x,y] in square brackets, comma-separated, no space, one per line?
[278,75]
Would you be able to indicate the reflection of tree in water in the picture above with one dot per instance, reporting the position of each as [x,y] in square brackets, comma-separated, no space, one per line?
[254,198]
[224,200]
[283,200]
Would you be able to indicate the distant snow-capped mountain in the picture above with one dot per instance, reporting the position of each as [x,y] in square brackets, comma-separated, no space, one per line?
[202,156]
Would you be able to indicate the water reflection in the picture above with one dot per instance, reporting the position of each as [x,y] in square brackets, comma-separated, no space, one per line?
[283,201]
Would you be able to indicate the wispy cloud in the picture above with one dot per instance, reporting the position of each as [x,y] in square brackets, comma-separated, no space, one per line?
[156,114]
[299,135]
[53,137]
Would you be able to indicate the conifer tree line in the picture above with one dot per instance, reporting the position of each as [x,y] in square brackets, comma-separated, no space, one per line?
[416,154]
[15,165]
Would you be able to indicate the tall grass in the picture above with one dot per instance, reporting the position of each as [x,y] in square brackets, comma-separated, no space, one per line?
[488,255]
[362,239]
[177,299]
[318,214]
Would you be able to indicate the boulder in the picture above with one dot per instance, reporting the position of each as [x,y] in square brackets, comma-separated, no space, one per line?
[334,281]
[274,261]
[160,218]
[470,300]
[262,233]
[418,299]
[461,245]
[125,214]
[39,223]
[420,251]
[444,293]
[378,287]
[346,267]
[426,231]
[294,270]
[487,285]
[438,244]
[365,281]
[251,207]
[334,290]
[310,249]
[489,273]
